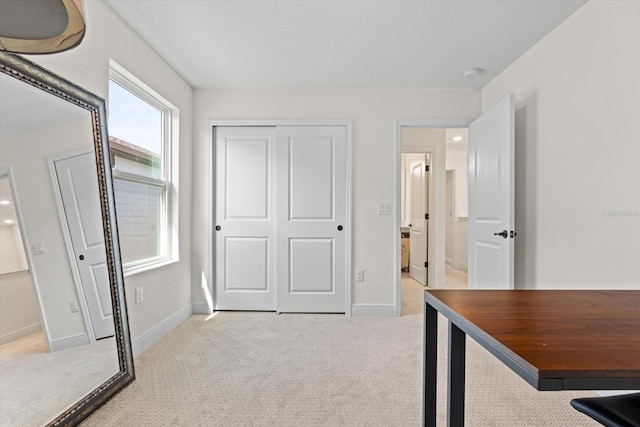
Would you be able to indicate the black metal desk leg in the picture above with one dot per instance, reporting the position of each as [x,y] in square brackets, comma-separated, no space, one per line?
[430,366]
[455,379]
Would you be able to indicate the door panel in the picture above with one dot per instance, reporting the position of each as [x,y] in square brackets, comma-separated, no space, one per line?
[418,231]
[311,265]
[78,184]
[100,281]
[245,210]
[311,177]
[491,197]
[311,192]
[247,178]
[243,252]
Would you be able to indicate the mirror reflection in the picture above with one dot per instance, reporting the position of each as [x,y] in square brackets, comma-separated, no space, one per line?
[56,322]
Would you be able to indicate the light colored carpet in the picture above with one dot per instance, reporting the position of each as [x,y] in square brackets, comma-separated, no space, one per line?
[263,369]
[36,386]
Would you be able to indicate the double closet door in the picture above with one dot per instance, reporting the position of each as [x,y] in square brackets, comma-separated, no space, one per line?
[280,218]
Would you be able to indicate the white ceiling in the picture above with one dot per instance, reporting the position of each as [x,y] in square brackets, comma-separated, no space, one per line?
[347,43]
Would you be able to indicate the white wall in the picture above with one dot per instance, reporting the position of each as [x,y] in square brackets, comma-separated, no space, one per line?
[11,250]
[457,161]
[577,149]
[167,290]
[373,112]
[18,310]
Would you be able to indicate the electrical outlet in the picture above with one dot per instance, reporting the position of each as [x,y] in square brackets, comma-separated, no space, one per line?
[359,275]
[74,306]
[139,295]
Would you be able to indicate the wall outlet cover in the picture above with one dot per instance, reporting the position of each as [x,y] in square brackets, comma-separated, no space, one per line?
[38,248]
[74,306]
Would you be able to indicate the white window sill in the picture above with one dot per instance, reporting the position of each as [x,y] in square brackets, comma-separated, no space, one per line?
[137,269]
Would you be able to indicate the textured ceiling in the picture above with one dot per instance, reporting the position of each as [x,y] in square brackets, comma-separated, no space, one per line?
[313,43]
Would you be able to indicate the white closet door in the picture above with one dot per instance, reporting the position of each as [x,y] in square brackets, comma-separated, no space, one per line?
[245,218]
[78,183]
[312,233]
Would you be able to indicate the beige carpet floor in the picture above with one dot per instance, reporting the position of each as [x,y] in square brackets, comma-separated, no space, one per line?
[263,369]
[36,386]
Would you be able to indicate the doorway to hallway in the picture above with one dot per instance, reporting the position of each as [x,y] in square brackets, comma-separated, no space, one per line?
[432,233]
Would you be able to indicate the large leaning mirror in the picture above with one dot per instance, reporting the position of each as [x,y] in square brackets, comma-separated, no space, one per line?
[65,347]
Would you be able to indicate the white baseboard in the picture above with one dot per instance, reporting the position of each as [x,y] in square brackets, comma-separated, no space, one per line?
[461,266]
[201,308]
[153,335]
[69,342]
[22,332]
[378,310]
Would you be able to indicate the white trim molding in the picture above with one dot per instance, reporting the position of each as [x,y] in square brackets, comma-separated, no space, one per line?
[153,335]
[22,332]
[201,308]
[377,310]
[69,342]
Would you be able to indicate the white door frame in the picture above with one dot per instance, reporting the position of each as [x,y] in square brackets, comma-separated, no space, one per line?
[209,285]
[66,234]
[6,171]
[437,201]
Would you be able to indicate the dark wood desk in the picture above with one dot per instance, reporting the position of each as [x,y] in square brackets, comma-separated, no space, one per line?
[555,340]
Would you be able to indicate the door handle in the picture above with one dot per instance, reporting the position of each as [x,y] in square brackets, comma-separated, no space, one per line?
[410,225]
[218,228]
[81,257]
[503,233]
[339,228]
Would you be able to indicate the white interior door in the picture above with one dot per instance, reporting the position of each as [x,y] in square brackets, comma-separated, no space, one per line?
[312,215]
[78,183]
[491,197]
[418,226]
[245,218]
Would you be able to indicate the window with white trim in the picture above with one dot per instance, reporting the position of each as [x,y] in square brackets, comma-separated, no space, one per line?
[140,133]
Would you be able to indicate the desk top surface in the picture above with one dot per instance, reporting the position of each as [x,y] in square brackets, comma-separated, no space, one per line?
[552,334]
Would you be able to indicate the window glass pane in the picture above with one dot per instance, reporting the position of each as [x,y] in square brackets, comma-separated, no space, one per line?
[139,209]
[136,133]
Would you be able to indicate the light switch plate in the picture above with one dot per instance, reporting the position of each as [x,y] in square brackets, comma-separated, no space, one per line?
[359,275]
[139,295]
[384,208]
